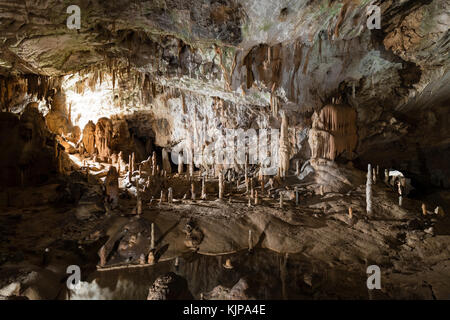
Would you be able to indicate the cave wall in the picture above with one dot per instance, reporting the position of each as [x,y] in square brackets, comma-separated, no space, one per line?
[29,150]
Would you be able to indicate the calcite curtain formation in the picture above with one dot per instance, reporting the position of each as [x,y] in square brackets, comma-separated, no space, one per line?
[333,132]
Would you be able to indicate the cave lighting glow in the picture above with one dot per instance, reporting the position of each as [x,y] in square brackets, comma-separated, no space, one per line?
[90,104]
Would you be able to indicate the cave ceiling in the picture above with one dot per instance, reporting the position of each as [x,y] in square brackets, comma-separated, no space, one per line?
[301,54]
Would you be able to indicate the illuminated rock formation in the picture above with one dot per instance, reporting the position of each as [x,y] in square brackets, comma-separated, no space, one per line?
[333,132]
[103,138]
[88,138]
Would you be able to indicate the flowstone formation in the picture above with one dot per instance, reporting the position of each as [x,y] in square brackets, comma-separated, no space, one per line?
[225,149]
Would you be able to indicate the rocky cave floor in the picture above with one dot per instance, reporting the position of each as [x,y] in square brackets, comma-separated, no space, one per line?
[313,250]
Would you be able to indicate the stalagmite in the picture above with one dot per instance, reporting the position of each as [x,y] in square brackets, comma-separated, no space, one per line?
[152,237]
[221,185]
[350,212]
[374,176]
[369,190]
[103,138]
[192,190]
[284,146]
[151,258]
[228,264]
[138,199]
[424,209]
[386,176]
[252,191]
[281,201]
[154,164]
[249,202]
[400,193]
[170,195]
[89,138]
[262,181]
[166,162]
[247,187]
[250,243]
[203,195]
[321,190]
[256,198]
[439,211]
[296,196]
[180,164]
[102,254]
[353,90]
[133,162]
[297,168]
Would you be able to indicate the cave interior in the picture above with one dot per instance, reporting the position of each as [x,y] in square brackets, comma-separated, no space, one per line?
[223,149]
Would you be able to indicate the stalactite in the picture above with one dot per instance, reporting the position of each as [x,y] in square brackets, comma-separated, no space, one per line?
[341,17]
[333,132]
[224,70]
